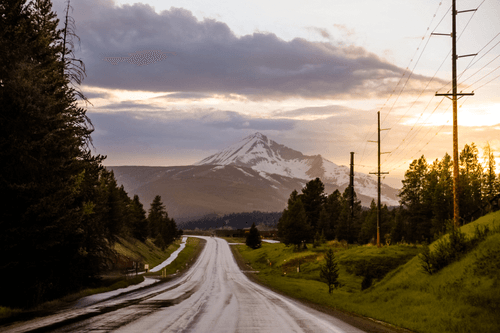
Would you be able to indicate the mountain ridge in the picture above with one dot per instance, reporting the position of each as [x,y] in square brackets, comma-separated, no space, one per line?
[255,173]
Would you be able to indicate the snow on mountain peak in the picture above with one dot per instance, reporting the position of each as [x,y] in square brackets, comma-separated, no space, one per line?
[261,154]
[256,151]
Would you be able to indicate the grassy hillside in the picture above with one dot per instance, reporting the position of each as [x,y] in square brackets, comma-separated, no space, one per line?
[146,252]
[462,297]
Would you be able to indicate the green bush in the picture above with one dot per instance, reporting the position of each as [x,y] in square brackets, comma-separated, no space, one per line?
[450,249]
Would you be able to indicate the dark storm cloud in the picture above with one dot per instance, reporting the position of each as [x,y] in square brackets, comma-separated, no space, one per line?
[210,59]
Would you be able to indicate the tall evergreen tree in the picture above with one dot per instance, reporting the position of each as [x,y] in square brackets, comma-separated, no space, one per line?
[293,226]
[330,213]
[349,225]
[139,223]
[313,199]
[46,230]
[442,195]
[161,228]
[490,179]
[414,196]
[470,181]
[369,225]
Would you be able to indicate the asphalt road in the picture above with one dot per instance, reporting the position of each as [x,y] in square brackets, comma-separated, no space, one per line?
[214,295]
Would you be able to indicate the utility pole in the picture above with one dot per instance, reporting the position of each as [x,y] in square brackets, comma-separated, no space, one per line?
[351,185]
[378,173]
[454,97]
[351,199]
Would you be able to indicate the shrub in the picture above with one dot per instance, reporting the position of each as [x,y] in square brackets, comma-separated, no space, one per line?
[450,249]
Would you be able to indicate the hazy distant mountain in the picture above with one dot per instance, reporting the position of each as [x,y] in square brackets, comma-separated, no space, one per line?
[255,174]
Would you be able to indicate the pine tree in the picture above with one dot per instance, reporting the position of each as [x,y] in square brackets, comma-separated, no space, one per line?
[490,179]
[253,239]
[330,213]
[293,226]
[313,199]
[369,226]
[161,228]
[412,196]
[330,271]
[349,225]
[470,196]
[139,223]
[442,196]
[46,229]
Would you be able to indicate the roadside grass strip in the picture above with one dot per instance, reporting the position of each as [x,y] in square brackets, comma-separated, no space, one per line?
[146,252]
[119,285]
[463,297]
[172,257]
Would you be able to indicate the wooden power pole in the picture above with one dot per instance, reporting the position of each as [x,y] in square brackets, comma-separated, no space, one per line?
[454,97]
[351,185]
[378,173]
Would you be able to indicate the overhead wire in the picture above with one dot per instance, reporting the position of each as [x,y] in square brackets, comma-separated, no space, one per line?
[413,133]
[404,73]
[416,63]
[418,130]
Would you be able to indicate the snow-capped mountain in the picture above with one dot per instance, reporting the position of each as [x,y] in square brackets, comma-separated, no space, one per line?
[255,174]
[268,157]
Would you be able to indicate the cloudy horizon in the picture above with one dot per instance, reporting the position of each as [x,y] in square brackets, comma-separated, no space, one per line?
[171,84]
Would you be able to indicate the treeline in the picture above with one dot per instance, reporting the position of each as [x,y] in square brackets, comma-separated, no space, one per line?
[312,214]
[234,221]
[427,193]
[426,204]
[61,210]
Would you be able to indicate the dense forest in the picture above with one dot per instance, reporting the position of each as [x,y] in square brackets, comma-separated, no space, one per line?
[62,210]
[234,221]
[425,211]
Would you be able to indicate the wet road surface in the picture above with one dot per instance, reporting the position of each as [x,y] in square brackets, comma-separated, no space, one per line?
[212,296]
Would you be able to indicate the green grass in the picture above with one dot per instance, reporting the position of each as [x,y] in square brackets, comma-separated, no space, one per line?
[185,258]
[146,252]
[6,312]
[462,297]
[234,239]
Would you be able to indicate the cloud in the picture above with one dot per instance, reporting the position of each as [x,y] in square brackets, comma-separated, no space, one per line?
[127,105]
[345,30]
[184,137]
[185,95]
[92,95]
[208,58]
[329,110]
[201,129]
[323,32]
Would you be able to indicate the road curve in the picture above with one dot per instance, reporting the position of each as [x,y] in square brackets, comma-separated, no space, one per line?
[212,296]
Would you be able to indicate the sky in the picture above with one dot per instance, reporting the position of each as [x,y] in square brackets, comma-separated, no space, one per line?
[172,82]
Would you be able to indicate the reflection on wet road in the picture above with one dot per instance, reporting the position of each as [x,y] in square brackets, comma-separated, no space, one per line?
[212,296]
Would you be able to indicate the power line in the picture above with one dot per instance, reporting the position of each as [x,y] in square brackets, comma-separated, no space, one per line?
[404,73]
[416,63]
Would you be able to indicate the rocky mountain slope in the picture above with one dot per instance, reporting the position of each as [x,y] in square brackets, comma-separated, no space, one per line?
[255,174]
[261,154]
